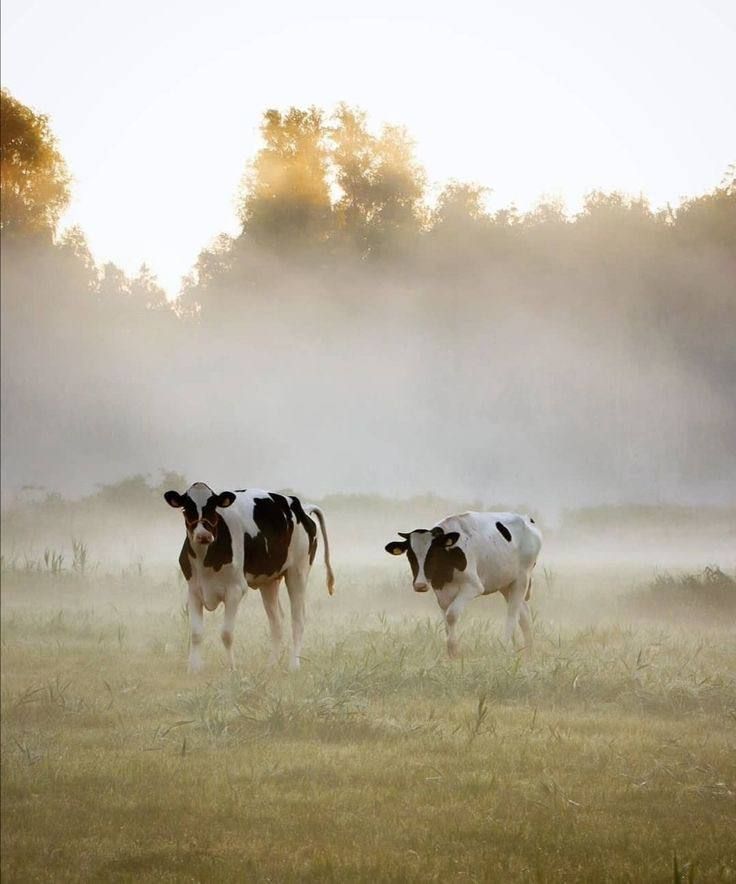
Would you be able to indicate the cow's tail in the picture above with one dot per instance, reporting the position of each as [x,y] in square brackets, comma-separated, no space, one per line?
[319,515]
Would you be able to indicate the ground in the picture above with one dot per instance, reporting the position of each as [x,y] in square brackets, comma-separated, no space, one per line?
[609,756]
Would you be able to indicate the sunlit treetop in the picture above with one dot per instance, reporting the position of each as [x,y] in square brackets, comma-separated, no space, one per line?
[35,180]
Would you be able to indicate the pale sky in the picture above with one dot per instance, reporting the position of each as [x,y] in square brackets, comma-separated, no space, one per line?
[157,105]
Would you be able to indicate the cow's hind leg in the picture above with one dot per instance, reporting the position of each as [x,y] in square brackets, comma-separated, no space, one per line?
[296,584]
[270,598]
[525,621]
[233,595]
[517,611]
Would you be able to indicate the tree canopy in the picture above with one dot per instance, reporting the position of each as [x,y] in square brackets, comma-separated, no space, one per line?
[35,180]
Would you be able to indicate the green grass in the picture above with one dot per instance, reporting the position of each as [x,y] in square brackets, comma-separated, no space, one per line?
[610,756]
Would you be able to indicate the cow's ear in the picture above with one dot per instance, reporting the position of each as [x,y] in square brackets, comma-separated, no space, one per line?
[174,499]
[397,547]
[226,499]
[450,539]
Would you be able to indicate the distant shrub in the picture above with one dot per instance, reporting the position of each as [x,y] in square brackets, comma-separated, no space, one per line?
[711,592]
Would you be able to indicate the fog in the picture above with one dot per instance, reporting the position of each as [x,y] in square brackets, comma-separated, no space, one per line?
[358,337]
[500,389]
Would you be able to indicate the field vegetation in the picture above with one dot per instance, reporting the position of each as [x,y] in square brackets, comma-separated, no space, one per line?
[609,756]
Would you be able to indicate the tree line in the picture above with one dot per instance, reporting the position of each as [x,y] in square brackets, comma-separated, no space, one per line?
[327,197]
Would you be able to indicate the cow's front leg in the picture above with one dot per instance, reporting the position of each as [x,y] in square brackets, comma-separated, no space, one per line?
[452,615]
[196,625]
[233,595]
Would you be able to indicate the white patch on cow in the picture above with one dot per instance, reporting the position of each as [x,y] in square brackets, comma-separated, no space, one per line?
[420,542]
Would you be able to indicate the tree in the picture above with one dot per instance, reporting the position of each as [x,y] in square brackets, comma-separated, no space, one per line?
[711,218]
[459,224]
[399,184]
[35,180]
[459,205]
[285,195]
[146,291]
[79,265]
[549,212]
[382,185]
[354,161]
[114,284]
[614,213]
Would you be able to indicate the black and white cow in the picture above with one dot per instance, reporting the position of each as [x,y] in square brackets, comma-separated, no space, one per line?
[246,538]
[474,554]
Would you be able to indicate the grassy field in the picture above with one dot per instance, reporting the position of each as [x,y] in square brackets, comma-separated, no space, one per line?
[609,756]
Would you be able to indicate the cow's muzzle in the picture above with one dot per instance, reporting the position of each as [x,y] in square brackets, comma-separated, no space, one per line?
[203,538]
[420,587]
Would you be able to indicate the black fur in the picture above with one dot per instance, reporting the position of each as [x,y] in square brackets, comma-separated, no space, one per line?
[189,507]
[307,523]
[441,563]
[186,553]
[220,551]
[503,531]
[266,553]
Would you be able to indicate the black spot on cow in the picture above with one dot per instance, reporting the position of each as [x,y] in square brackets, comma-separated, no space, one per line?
[184,556]
[441,562]
[188,506]
[532,520]
[503,531]
[220,551]
[240,490]
[307,523]
[185,503]
[266,553]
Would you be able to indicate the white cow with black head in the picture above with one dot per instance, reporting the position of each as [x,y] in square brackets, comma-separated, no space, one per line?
[473,554]
[238,539]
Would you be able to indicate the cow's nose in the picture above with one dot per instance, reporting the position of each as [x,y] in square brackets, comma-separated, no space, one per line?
[420,587]
[205,538]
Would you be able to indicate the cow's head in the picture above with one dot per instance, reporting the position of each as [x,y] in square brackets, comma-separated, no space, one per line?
[433,556]
[199,503]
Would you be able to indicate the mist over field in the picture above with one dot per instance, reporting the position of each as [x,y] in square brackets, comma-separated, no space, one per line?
[357,338]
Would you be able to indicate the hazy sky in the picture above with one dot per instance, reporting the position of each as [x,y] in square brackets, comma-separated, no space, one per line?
[157,104]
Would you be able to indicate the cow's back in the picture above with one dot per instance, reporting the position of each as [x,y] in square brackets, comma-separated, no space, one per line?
[498,545]
[274,533]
